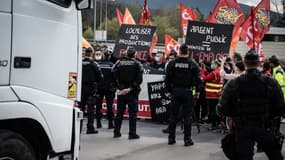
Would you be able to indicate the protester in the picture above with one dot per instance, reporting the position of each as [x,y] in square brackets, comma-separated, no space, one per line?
[237,57]
[213,89]
[277,72]
[158,63]
[238,69]
[172,55]
[266,70]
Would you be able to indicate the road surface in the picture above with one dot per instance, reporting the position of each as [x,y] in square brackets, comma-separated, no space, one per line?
[152,145]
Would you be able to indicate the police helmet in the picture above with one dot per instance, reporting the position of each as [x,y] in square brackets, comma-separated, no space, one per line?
[274,60]
[131,51]
[251,56]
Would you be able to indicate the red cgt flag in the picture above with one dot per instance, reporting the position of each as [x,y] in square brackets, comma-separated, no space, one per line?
[256,24]
[120,16]
[170,44]
[145,20]
[186,14]
[154,42]
[145,16]
[228,12]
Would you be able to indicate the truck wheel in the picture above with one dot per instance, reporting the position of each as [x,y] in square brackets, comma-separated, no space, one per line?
[13,146]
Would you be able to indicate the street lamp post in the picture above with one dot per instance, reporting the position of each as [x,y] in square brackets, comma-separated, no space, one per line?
[106,10]
[94,26]
[106,18]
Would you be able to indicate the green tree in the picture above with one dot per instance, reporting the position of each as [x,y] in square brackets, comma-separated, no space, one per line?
[88,33]
[163,26]
[135,11]
[112,28]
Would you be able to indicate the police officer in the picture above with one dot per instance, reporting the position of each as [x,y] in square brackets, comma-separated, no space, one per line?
[106,88]
[181,75]
[252,100]
[128,74]
[91,75]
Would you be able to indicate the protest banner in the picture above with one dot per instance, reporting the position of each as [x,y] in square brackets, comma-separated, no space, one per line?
[140,37]
[159,100]
[208,41]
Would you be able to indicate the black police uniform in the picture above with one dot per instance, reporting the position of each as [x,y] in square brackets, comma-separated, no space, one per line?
[252,100]
[106,88]
[128,74]
[91,75]
[181,75]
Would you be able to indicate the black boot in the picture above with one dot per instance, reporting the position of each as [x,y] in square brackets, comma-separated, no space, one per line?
[188,141]
[99,124]
[171,140]
[133,136]
[91,131]
[117,134]
[110,124]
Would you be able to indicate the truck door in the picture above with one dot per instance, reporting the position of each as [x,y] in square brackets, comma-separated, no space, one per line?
[5,39]
[44,45]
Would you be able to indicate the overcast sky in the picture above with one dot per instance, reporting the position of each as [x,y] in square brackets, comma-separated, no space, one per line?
[273,7]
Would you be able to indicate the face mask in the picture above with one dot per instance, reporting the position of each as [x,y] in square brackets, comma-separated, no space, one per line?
[259,69]
[98,58]
[157,59]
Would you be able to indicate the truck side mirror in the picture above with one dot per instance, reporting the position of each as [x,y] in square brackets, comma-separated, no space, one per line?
[83,4]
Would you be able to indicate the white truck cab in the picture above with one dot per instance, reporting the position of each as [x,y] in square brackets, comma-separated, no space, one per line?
[40,78]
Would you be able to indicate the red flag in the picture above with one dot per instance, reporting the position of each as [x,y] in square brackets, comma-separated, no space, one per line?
[145,16]
[257,24]
[228,12]
[128,18]
[120,16]
[186,14]
[259,50]
[145,20]
[153,44]
[170,44]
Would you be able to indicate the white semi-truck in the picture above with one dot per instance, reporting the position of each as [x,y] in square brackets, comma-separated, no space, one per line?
[40,78]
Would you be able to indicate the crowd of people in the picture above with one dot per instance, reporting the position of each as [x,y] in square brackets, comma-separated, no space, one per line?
[213,83]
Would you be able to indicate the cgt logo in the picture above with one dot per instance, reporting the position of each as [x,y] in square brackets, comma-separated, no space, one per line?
[3,63]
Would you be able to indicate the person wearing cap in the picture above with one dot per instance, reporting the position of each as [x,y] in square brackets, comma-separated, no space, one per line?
[252,100]
[106,88]
[277,72]
[91,76]
[182,74]
[128,75]
[213,88]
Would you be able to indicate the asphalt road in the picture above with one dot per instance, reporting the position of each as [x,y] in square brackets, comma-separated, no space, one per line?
[152,145]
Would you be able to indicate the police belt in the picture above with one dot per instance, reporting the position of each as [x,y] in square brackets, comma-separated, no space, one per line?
[250,120]
[183,87]
[124,86]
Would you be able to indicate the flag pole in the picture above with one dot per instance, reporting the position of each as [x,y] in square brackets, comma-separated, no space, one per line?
[252,23]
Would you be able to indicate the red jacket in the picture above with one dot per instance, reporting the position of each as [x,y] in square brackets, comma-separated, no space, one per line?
[213,83]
